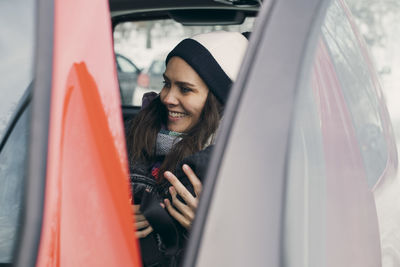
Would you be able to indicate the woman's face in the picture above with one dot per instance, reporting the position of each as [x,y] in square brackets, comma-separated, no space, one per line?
[184,95]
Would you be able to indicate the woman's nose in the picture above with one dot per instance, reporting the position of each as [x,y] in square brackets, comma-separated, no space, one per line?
[170,97]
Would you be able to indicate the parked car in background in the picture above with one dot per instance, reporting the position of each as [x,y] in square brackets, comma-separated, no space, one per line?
[304,172]
[150,80]
[127,77]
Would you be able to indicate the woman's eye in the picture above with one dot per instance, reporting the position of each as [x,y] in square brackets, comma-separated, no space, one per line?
[185,90]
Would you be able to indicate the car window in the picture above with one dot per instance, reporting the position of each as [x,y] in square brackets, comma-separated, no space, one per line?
[379,24]
[16,53]
[343,187]
[157,67]
[16,48]
[146,43]
[359,92]
[12,170]
[125,65]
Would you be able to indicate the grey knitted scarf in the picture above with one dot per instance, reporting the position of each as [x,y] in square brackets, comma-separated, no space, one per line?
[166,141]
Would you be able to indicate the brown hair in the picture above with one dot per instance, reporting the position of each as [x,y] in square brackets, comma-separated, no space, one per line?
[142,134]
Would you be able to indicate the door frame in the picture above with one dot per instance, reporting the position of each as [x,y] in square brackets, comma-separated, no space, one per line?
[240,217]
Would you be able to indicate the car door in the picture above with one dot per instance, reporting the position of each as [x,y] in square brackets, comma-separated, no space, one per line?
[77,202]
[287,185]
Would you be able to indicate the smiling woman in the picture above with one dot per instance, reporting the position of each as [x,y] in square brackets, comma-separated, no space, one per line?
[174,133]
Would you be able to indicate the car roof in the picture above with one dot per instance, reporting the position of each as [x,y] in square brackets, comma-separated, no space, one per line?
[124,7]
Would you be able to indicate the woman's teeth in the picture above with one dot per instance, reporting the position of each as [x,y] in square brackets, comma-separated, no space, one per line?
[176,114]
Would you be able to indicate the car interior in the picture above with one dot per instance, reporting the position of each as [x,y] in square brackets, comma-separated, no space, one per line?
[338,132]
[137,18]
[145,31]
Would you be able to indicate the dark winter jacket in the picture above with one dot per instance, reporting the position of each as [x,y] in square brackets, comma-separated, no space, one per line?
[165,245]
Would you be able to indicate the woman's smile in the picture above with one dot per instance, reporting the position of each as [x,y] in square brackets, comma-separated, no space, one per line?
[176,118]
[176,115]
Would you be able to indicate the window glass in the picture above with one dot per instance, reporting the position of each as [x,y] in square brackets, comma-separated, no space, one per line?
[125,65]
[354,107]
[12,168]
[157,67]
[146,44]
[359,91]
[16,72]
[16,53]
[379,24]
[339,151]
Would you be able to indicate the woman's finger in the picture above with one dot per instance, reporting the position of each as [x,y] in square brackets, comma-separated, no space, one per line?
[184,209]
[197,186]
[139,217]
[179,187]
[143,233]
[141,224]
[177,215]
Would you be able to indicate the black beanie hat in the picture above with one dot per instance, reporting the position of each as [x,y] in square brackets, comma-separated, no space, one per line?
[216,57]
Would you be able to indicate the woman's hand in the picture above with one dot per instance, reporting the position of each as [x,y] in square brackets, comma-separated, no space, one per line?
[143,227]
[183,213]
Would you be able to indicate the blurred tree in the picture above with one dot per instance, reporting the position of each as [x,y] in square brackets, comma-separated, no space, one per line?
[149,26]
[370,15]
